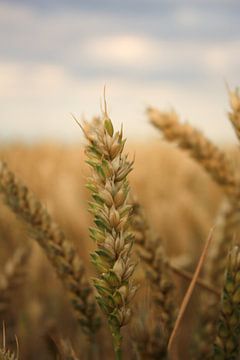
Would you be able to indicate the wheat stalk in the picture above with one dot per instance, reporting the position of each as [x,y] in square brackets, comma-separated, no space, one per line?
[112,258]
[58,249]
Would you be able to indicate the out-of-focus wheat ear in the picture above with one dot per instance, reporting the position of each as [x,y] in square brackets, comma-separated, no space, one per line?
[151,253]
[61,253]
[226,345]
[12,277]
[212,159]
[147,333]
[234,114]
[114,240]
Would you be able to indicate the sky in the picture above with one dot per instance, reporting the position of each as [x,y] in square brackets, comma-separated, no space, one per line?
[56,57]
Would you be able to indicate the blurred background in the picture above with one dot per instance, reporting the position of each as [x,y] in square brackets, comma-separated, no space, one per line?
[56,57]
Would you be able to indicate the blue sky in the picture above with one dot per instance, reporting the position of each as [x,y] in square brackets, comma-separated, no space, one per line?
[56,56]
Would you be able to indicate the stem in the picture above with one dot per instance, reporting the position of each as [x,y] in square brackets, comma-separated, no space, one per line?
[93,352]
[118,354]
[117,342]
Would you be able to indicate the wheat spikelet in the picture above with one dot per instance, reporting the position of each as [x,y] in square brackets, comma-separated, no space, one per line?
[12,277]
[109,187]
[58,249]
[155,329]
[226,345]
[200,148]
[234,115]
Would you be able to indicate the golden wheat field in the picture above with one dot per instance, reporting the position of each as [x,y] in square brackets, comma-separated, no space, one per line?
[98,249]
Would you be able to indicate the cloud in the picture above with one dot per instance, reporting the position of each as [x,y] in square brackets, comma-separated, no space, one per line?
[38,103]
[121,50]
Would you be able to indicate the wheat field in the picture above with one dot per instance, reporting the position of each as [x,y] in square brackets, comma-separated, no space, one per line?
[111,282]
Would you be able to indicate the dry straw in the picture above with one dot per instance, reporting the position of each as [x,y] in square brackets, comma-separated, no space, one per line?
[112,258]
[58,249]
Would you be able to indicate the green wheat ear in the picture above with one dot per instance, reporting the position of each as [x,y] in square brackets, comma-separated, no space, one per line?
[226,345]
[109,206]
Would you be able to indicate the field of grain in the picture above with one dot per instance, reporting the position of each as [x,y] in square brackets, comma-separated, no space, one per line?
[178,194]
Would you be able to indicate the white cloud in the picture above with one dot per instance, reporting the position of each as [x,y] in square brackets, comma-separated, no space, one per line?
[121,50]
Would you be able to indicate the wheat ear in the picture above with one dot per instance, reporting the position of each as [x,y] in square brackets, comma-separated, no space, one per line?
[109,187]
[199,147]
[226,345]
[234,114]
[58,249]
[151,253]
[12,277]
